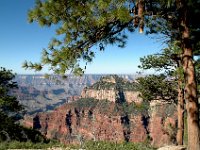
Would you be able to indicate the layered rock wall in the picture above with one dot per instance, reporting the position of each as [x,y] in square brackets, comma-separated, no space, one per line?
[99,116]
[111,95]
[70,124]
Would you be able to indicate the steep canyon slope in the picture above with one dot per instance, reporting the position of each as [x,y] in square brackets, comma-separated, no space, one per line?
[110,115]
[40,94]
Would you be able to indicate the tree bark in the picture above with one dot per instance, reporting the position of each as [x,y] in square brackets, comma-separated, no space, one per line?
[141,9]
[190,81]
[191,101]
[180,105]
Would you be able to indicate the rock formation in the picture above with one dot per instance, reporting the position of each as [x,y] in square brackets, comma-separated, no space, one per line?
[40,94]
[112,117]
[112,88]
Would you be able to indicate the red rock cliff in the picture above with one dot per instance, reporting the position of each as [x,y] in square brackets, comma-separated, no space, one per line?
[70,123]
[119,118]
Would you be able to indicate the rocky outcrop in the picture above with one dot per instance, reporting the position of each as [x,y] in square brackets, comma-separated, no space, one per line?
[112,95]
[162,126]
[100,120]
[40,93]
[173,147]
[113,88]
[69,123]
[109,110]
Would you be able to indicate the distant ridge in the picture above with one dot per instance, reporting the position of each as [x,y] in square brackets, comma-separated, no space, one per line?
[39,94]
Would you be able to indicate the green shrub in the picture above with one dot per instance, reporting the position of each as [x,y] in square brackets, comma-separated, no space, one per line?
[105,106]
[89,145]
[103,145]
[28,145]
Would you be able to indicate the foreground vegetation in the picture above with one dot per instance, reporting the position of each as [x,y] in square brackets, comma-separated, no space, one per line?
[27,145]
[87,146]
[85,25]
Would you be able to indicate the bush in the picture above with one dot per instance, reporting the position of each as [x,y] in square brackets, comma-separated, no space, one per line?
[103,145]
[105,106]
[28,145]
[89,145]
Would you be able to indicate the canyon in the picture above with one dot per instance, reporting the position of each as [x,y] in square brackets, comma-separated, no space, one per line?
[106,112]
[38,93]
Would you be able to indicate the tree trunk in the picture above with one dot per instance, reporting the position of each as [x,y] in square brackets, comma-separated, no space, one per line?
[191,101]
[141,9]
[180,132]
[190,82]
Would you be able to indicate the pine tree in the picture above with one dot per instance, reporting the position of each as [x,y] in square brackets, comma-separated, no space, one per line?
[10,109]
[83,24]
[157,87]
[9,105]
[169,62]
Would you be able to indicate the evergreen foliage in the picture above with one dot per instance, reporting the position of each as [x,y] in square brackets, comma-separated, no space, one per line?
[108,107]
[8,104]
[11,111]
[114,82]
[157,87]
[168,60]
[197,67]
[83,24]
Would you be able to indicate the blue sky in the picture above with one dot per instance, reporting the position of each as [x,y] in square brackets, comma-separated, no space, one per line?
[22,41]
